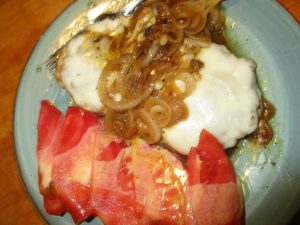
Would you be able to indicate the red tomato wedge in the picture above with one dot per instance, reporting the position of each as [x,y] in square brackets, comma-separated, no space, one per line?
[160,180]
[86,171]
[140,185]
[215,194]
[113,189]
[72,165]
[49,126]
[76,123]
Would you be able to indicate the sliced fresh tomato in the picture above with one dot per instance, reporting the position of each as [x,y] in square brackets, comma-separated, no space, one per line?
[85,170]
[216,168]
[142,185]
[77,121]
[72,165]
[113,189]
[160,182]
[214,193]
[49,127]
[111,151]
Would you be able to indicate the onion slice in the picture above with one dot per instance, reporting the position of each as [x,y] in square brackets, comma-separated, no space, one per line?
[148,128]
[121,123]
[159,110]
[126,102]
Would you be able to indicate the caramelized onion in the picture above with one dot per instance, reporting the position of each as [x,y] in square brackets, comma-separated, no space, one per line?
[128,99]
[187,80]
[179,110]
[152,67]
[202,42]
[197,24]
[189,15]
[211,4]
[182,20]
[161,11]
[171,33]
[159,110]
[121,123]
[151,53]
[148,128]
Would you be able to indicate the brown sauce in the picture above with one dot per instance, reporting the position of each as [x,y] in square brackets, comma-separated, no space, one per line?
[264,132]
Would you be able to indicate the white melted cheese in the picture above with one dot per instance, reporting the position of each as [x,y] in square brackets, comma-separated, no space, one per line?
[225,101]
[109,26]
[81,70]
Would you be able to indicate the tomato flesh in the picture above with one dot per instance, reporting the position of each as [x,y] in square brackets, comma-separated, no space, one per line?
[215,195]
[77,121]
[72,165]
[88,171]
[49,126]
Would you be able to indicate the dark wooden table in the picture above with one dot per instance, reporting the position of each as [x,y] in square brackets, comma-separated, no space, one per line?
[21,25]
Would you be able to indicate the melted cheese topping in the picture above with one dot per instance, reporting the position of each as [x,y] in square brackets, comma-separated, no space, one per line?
[225,101]
[82,66]
[109,26]
[84,60]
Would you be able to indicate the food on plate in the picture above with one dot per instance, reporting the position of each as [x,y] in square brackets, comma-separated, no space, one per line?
[225,101]
[72,164]
[145,85]
[164,72]
[82,62]
[49,126]
[213,184]
[95,173]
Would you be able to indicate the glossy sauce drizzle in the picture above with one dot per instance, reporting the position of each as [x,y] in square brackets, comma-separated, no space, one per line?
[264,132]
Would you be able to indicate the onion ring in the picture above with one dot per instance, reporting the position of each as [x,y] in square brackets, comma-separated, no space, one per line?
[121,123]
[148,128]
[159,110]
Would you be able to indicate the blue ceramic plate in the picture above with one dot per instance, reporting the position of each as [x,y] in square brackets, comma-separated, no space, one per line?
[259,29]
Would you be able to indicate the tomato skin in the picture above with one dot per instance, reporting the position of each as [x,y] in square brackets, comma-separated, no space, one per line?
[214,194]
[76,200]
[95,173]
[140,186]
[194,167]
[50,118]
[216,167]
[48,129]
[72,165]
[52,203]
[111,151]
[77,121]
[113,189]
[115,208]
[160,181]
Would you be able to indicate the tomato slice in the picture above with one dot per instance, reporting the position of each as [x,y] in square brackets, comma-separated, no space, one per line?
[216,167]
[215,195]
[85,170]
[160,180]
[113,189]
[141,185]
[49,126]
[111,151]
[72,165]
[77,121]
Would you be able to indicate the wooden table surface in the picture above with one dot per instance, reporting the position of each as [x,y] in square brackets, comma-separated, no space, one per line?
[21,25]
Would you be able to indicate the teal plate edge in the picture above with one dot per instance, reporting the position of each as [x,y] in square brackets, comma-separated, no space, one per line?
[277,197]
